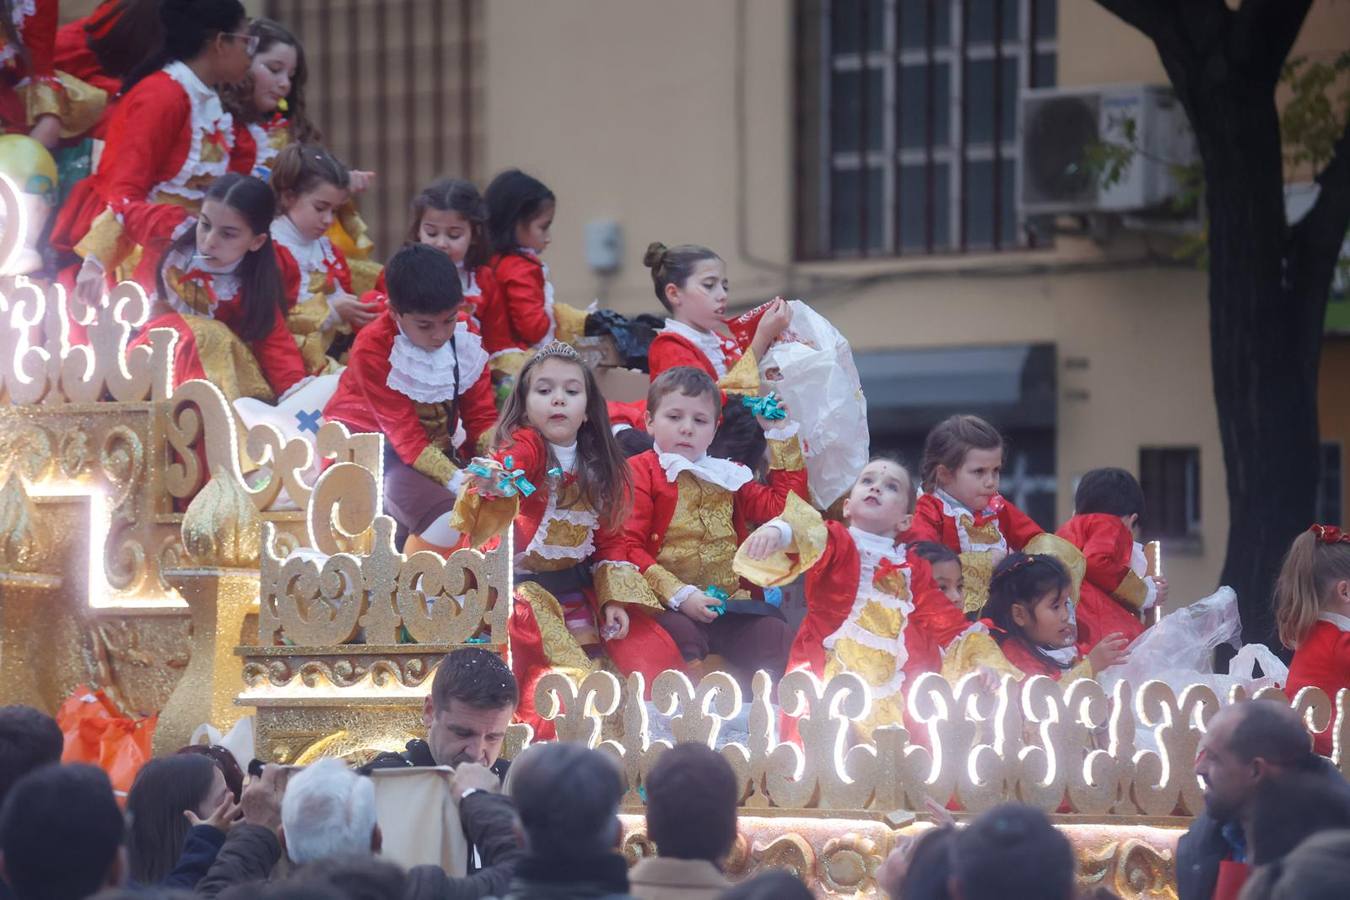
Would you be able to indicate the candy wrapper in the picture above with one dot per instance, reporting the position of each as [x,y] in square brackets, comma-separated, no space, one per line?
[819,385]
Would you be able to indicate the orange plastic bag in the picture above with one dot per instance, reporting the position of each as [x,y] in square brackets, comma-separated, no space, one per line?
[98,733]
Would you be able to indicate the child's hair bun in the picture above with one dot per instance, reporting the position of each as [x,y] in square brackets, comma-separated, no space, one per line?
[655,255]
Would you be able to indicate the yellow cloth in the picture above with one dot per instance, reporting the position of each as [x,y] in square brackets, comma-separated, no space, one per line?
[228,362]
[977,650]
[305,322]
[1131,590]
[743,377]
[1053,545]
[977,567]
[569,323]
[564,653]
[483,518]
[808,543]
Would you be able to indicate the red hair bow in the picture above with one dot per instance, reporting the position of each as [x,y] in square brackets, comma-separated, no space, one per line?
[1330,534]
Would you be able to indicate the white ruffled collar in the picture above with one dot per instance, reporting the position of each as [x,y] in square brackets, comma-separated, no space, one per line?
[722,472]
[224,282]
[310,255]
[712,344]
[879,545]
[198,91]
[428,376]
[1340,621]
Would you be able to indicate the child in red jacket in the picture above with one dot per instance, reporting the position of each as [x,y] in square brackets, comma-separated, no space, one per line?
[418,375]
[1312,608]
[1115,591]
[690,513]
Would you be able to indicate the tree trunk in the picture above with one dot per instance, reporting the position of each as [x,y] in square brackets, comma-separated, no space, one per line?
[1268,286]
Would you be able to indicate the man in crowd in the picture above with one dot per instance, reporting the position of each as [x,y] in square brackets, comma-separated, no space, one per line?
[473,697]
[567,797]
[1250,750]
[691,815]
[61,834]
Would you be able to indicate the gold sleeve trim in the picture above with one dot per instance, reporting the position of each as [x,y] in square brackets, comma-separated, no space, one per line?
[569,323]
[1072,558]
[434,464]
[976,570]
[482,518]
[105,241]
[560,647]
[619,583]
[663,583]
[786,456]
[973,651]
[1131,590]
[77,103]
[808,543]
[743,378]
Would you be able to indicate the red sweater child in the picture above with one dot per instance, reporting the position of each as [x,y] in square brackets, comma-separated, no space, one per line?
[1113,594]
[1323,660]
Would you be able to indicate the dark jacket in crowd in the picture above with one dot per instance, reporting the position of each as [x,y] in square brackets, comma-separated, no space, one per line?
[596,878]
[418,753]
[1203,847]
[200,847]
[250,852]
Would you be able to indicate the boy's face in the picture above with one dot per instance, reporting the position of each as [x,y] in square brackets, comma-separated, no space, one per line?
[879,501]
[684,425]
[428,331]
[947,574]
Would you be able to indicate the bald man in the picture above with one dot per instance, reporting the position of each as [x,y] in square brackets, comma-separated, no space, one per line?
[1246,748]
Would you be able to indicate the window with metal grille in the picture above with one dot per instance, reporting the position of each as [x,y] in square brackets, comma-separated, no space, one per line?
[907,122]
[1170,477]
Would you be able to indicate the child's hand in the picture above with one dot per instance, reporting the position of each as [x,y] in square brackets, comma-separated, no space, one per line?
[766,541]
[989,678]
[772,324]
[1110,651]
[89,283]
[616,622]
[360,180]
[701,608]
[351,310]
[1161,597]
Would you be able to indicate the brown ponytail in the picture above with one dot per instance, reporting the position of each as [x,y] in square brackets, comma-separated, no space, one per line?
[1309,571]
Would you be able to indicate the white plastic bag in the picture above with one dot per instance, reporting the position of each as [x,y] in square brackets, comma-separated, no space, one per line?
[1179,651]
[821,389]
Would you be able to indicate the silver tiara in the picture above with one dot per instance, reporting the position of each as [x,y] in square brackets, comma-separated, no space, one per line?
[559,348]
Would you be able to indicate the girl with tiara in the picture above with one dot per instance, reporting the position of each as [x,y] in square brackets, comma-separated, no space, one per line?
[311,185]
[559,481]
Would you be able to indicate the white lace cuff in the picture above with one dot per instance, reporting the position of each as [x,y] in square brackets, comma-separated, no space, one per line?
[682,595]
[787,431]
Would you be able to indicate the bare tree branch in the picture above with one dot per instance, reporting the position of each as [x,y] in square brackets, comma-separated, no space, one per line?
[1263,33]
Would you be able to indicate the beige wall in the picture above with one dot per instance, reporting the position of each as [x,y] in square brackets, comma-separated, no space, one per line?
[626,108]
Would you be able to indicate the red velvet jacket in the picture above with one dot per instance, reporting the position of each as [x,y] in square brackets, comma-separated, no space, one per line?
[522,320]
[365,402]
[831,588]
[654,500]
[1322,660]
[1107,547]
[38,34]
[931,523]
[669,350]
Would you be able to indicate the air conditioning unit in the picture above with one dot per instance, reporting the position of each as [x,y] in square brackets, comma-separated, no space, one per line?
[1059,128]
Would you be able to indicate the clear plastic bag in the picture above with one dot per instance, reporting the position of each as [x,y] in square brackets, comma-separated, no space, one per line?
[819,384]
[1179,651]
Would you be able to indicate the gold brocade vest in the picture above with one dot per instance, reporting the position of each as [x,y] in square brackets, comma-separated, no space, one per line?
[566,534]
[701,541]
